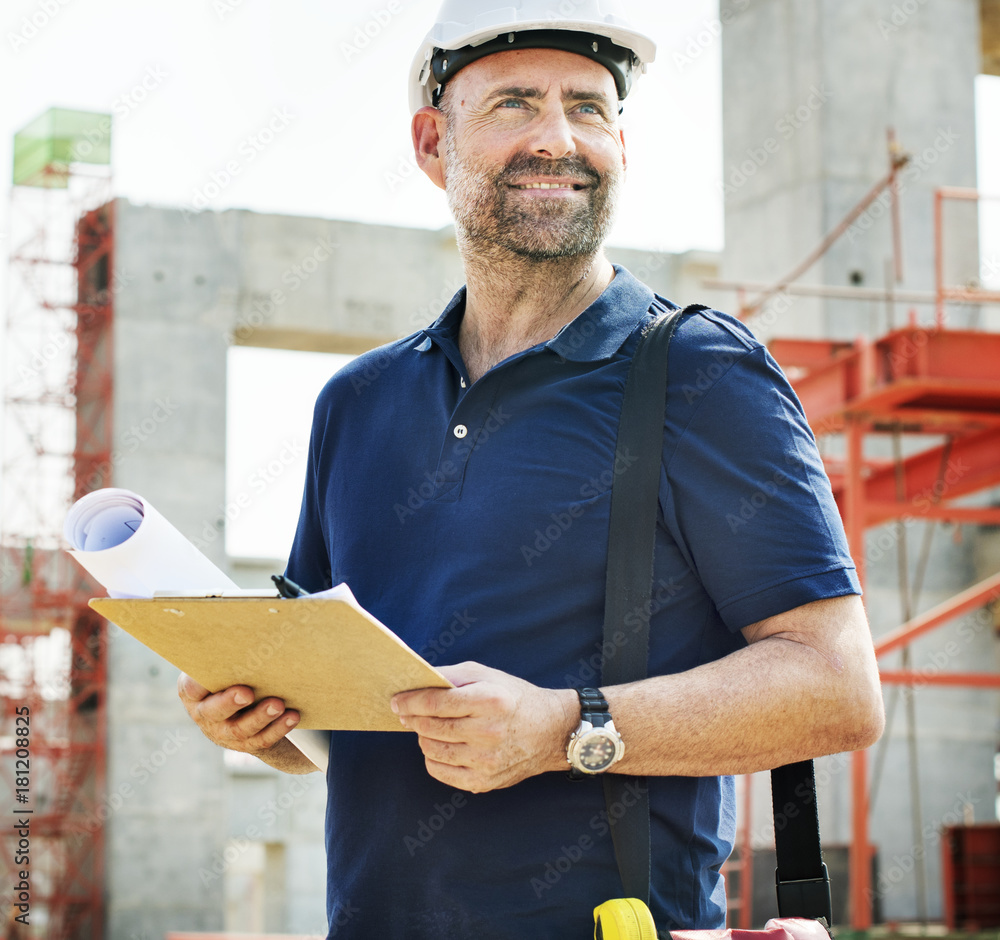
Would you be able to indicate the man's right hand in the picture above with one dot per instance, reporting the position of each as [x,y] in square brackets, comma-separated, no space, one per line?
[231,719]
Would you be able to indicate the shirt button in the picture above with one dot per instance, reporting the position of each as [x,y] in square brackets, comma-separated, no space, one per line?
[460,430]
[463,383]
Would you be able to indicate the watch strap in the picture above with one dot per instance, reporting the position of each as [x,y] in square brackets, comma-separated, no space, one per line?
[594,707]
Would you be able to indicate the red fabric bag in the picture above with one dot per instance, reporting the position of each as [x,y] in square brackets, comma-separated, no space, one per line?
[778,928]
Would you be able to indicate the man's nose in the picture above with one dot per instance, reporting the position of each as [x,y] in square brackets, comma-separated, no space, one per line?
[552,135]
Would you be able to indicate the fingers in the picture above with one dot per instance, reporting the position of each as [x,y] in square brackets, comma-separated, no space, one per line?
[231,719]
[223,705]
[441,703]
[262,726]
[440,729]
[467,672]
[190,690]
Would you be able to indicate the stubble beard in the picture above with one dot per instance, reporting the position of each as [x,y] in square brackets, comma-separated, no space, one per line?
[488,215]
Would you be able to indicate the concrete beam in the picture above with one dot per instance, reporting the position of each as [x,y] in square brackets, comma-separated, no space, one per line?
[989,17]
[350,344]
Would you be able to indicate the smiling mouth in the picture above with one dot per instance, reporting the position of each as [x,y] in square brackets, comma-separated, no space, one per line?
[572,186]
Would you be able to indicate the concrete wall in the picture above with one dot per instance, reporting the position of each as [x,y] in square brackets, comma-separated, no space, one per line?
[809,89]
[197,841]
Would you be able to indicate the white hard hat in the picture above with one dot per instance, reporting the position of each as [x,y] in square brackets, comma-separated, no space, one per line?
[472,29]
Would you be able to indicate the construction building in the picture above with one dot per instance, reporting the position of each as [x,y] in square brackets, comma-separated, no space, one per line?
[855,139]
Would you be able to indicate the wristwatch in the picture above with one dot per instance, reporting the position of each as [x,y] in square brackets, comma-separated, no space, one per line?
[596,744]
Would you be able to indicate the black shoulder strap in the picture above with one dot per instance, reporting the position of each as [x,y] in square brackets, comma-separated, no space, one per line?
[803,883]
[801,878]
[631,540]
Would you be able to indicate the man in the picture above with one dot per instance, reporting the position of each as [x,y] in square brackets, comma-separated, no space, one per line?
[501,417]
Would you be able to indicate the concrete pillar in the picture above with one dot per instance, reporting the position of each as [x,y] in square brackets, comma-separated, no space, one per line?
[809,90]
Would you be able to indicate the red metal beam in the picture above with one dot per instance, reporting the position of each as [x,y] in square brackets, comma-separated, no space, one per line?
[973,465]
[973,680]
[912,368]
[970,515]
[806,353]
[976,596]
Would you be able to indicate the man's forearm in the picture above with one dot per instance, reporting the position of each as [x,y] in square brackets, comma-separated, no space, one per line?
[777,701]
[286,757]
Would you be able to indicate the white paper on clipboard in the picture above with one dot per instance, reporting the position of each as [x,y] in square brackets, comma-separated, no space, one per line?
[134,552]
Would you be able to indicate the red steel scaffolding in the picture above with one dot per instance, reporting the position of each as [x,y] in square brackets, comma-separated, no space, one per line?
[922,382]
[57,445]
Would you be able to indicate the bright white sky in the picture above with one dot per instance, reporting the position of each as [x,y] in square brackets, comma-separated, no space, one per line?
[215,71]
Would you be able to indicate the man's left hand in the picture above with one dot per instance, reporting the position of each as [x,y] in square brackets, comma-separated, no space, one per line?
[493,730]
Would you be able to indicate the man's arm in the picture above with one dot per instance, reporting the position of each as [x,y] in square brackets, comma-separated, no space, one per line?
[231,719]
[806,685]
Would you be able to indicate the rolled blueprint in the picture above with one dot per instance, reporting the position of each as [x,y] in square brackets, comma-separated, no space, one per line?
[127,546]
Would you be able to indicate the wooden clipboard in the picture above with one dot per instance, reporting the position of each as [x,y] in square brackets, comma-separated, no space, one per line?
[334,663]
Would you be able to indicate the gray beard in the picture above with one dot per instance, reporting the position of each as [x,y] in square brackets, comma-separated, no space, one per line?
[486,219]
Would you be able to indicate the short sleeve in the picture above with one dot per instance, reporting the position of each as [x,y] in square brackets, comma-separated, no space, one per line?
[309,562]
[744,491]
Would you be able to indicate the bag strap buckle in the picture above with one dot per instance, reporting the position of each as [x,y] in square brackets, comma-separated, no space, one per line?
[806,897]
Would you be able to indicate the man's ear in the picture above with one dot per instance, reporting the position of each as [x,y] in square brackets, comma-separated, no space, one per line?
[427,132]
[621,136]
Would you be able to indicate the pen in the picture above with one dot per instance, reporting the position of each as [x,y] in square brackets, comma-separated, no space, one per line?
[286,587]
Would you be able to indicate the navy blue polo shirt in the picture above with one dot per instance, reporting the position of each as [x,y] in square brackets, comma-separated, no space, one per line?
[472,520]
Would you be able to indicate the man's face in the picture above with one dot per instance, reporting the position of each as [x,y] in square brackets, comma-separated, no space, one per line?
[534,157]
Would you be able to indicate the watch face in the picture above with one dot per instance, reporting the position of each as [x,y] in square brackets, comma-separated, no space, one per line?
[597,751]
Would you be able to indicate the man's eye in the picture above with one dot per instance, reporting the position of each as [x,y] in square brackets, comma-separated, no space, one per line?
[510,103]
[590,109]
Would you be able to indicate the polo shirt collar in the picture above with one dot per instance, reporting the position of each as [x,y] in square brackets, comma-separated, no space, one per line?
[597,333]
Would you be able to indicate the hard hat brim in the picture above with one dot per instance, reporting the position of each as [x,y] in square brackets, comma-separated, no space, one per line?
[423,83]
[619,61]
